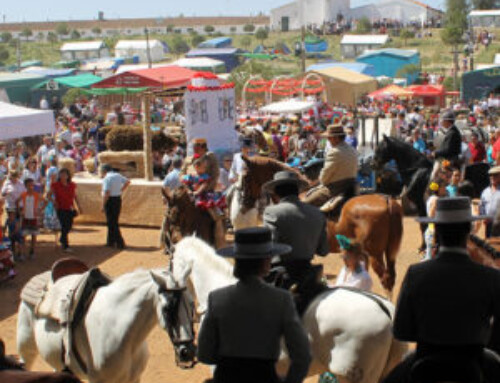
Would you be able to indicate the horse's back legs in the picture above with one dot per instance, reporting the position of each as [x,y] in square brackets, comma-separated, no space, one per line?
[26,345]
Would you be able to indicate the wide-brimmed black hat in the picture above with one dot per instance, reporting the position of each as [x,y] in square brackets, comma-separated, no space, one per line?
[285,177]
[254,243]
[453,210]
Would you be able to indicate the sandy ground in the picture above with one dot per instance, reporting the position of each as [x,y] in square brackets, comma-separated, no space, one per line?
[143,251]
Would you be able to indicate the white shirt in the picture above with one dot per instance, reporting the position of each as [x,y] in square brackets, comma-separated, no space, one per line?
[237,167]
[490,201]
[12,192]
[29,207]
[113,182]
[360,280]
[44,104]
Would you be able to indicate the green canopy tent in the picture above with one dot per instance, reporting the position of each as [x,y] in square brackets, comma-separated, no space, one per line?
[112,91]
[59,86]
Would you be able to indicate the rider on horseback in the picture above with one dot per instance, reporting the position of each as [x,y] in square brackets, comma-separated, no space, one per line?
[297,224]
[451,147]
[338,176]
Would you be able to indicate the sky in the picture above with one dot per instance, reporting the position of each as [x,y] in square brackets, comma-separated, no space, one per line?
[36,10]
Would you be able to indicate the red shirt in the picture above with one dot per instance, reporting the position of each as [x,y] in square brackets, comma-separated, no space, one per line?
[496,150]
[64,195]
[478,152]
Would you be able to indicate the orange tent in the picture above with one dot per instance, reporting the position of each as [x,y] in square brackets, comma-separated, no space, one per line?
[390,91]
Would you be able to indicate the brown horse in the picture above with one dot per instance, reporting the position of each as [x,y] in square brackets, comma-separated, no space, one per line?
[11,371]
[374,220]
[184,218]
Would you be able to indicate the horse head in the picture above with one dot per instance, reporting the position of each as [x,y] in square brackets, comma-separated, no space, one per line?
[180,214]
[382,154]
[175,313]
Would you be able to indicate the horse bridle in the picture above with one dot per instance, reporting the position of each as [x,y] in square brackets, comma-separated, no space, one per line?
[184,351]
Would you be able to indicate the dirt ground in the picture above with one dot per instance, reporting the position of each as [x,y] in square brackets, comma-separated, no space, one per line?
[143,251]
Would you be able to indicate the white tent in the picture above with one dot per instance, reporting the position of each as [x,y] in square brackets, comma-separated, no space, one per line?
[17,121]
[288,106]
[130,48]
[202,64]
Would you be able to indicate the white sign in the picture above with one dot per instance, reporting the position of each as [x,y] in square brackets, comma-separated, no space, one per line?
[211,114]
[52,85]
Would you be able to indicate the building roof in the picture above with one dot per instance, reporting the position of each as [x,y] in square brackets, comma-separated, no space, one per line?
[484,13]
[427,6]
[345,75]
[49,72]
[212,51]
[406,53]
[197,62]
[137,23]
[356,67]
[83,46]
[12,77]
[217,42]
[364,39]
[84,80]
[137,44]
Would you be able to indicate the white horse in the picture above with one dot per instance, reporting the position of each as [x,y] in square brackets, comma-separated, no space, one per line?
[350,334]
[240,217]
[111,339]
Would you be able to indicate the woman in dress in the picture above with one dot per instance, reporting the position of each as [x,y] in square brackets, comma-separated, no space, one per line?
[31,171]
[50,220]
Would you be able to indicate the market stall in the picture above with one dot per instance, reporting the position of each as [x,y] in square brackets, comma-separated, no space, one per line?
[18,122]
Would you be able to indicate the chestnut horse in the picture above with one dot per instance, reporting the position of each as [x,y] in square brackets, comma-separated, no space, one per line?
[374,220]
[184,219]
[12,371]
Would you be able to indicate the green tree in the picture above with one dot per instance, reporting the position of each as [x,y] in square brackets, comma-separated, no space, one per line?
[197,40]
[406,34]
[364,25]
[72,95]
[455,25]
[261,35]
[209,29]
[485,4]
[96,31]
[179,45]
[4,54]
[62,29]
[246,41]
[75,35]
[26,33]
[51,38]
[249,28]
[6,37]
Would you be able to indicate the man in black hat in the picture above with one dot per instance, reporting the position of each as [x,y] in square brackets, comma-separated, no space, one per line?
[245,322]
[300,225]
[451,147]
[447,304]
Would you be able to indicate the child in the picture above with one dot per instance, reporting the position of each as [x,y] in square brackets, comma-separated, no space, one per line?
[452,188]
[5,254]
[437,189]
[30,204]
[13,227]
[354,273]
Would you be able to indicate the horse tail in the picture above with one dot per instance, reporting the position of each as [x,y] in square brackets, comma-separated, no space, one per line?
[395,234]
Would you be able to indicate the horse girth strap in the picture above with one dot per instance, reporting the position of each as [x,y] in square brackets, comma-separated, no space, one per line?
[372,296]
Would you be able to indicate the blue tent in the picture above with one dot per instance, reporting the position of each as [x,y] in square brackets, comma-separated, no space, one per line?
[367,69]
[260,49]
[228,55]
[315,45]
[388,62]
[219,42]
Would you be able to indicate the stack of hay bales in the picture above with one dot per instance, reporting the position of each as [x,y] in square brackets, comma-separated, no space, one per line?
[130,164]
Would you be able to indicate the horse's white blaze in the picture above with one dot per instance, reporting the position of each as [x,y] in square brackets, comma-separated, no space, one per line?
[350,334]
[241,218]
[112,339]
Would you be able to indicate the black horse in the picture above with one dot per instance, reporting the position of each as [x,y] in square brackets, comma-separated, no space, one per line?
[415,171]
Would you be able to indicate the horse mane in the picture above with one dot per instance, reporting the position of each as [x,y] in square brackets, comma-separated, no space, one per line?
[409,150]
[261,170]
[194,248]
[133,280]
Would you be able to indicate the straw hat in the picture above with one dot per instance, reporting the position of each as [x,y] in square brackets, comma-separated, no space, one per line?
[334,131]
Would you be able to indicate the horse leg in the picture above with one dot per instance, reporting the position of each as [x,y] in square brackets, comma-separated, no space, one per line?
[26,344]
[377,262]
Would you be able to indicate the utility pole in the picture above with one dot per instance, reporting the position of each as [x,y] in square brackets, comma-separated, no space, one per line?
[455,67]
[303,49]
[146,31]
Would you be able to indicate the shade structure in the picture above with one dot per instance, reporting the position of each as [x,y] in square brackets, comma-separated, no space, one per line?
[84,80]
[288,106]
[431,95]
[390,91]
[167,77]
[202,64]
[17,122]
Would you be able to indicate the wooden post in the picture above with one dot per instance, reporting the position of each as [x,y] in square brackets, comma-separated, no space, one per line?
[148,155]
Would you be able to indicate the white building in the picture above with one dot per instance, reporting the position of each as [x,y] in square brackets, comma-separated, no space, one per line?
[84,50]
[315,12]
[130,48]
[405,11]
[485,18]
[352,46]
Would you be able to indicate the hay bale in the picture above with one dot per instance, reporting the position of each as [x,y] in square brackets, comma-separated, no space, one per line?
[130,164]
[67,163]
[130,138]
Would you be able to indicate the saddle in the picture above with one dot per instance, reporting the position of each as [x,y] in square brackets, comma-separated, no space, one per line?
[64,294]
